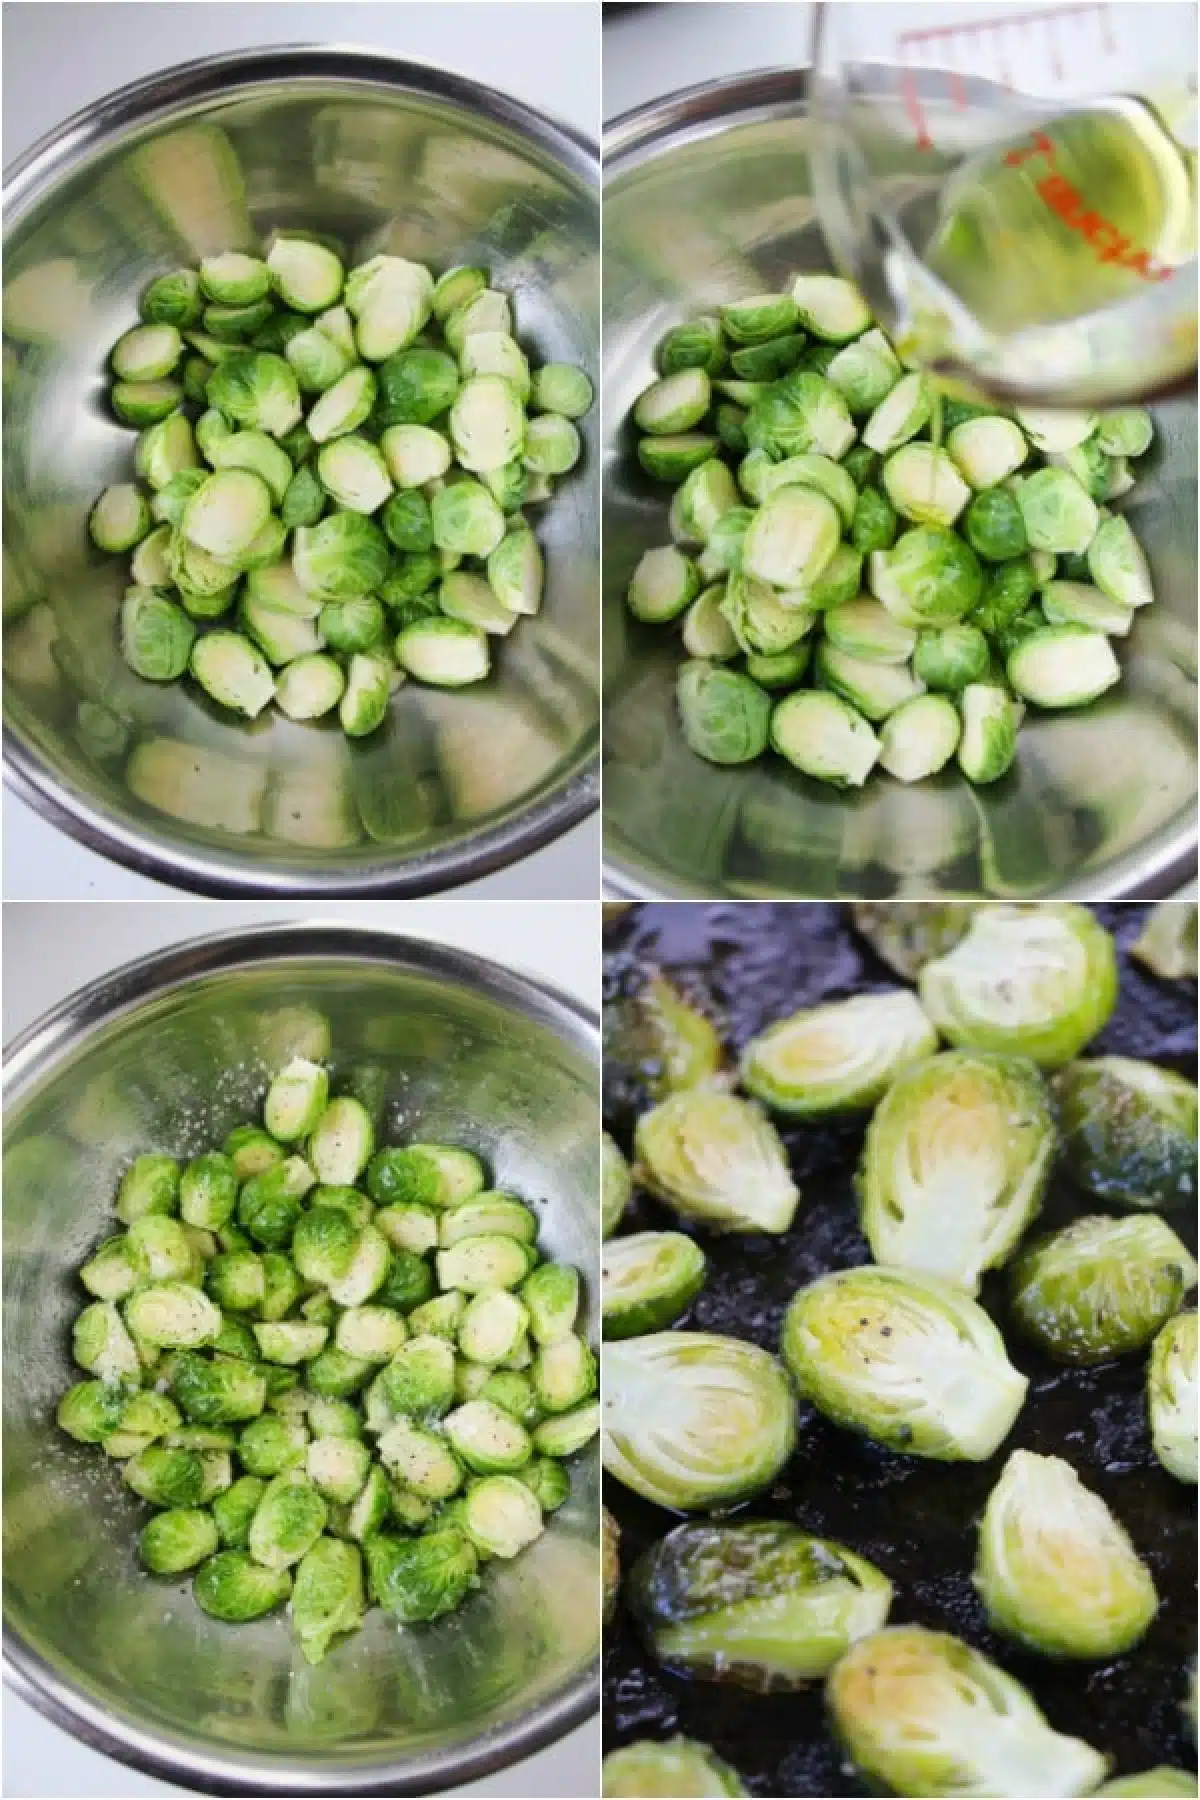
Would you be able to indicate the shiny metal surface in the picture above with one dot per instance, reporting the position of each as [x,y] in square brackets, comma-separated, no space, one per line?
[169,1053]
[708,197]
[384,155]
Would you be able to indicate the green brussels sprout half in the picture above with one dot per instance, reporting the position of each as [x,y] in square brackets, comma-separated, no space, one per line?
[272,1444]
[120,519]
[994,526]
[825,737]
[906,1359]
[987,450]
[1129,1132]
[567,1432]
[1125,431]
[552,445]
[487,426]
[208,1191]
[674,404]
[716,1160]
[564,1374]
[336,1375]
[649,1279]
[172,1315]
[492,1327]
[930,577]
[170,1253]
[373,1332]
[725,716]
[233,1511]
[338,1467]
[91,1410]
[295,1100]
[865,372]
[288,1521]
[253,1151]
[949,658]
[165,1477]
[875,689]
[147,353]
[989,733]
[767,362]
[704,497]
[172,299]
[694,1420]
[327,1596]
[875,522]
[419,1380]
[696,344]
[921,1712]
[489,1260]
[421,1578]
[156,635]
[838,1058]
[407,521]
[755,320]
[415,454]
[1036,981]
[421,1459]
[354,473]
[466,519]
[616,1185]
[1099,1287]
[900,415]
[1171,1396]
[235,1587]
[1063,666]
[1059,514]
[408,1225]
[547,1479]
[672,458]
[142,403]
[923,484]
[1055,1570]
[217,1393]
[149,1185]
[707,635]
[342,1141]
[257,388]
[761,1605]
[1157,1784]
[487,1439]
[501,1516]
[920,737]
[1117,564]
[677,1766]
[1077,603]
[763,620]
[955,1164]
[800,412]
[177,1539]
[497,353]
[342,408]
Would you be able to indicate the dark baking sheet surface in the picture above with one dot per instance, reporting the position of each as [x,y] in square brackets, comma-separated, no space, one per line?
[750,964]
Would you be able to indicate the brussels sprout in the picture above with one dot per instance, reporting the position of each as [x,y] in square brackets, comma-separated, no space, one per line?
[348,626]
[469,599]
[501,1516]
[147,353]
[488,1440]
[235,1587]
[875,522]
[761,1605]
[1036,981]
[694,1420]
[334,1418]
[119,520]
[865,373]
[831,308]
[509,1389]
[792,539]
[217,1393]
[455,288]
[257,388]
[1007,593]
[564,1374]
[951,657]
[233,1511]
[923,484]
[1129,1132]
[873,688]
[272,1444]
[338,1467]
[142,403]
[489,1260]
[770,360]
[1063,666]
[798,413]
[1168,942]
[906,937]
[707,635]
[696,344]
[616,1185]
[1118,564]
[492,1327]
[295,1100]
[864,629]
[415,454]
[342,1141]
[421,1578]
[443,652]
[252,1150]
[1055,1570]
[335,1375]
[327,1596]
[923,1713]
[824,736]
[989,733]
[649,1281]
[546,1479]
[1126,431]
[408,1226]
[169,1252]
[486,310]
[901,414]
[156,635]
[699,504]
[375,1333]
[290,1341]
[514,485]
[837,1058]
[354,473]
[1054,429]
[493,353]
[364,702]
[552,445]
[177,1539]
[550,1295]
[725,716]
[172,1315]
[172,299]
[664,584]
[763,620]
[1158,1784]
[785,669]
[487,424]
[318,359]
[1100,1287]
[117,1267]
[149,566]
[716,1160]
[673,457]
[756,320]
[466,519]
[994,526]
[166,1477]
[674,404]
[931,577]
[235,325]
[955,1165]
[1171,1396]
[567,1432]
[906,1359]
[987,450]
[677,1766]
[237,1281]
[234,279]
[419,1380]
[407,521]
[91,1410]
[288,1521]
[1058,514]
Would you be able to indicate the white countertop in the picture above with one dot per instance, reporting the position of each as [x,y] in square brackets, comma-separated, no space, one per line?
[60,56]
[51,950]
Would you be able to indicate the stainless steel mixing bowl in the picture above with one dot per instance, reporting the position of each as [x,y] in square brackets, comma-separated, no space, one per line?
[708,197]
[169,1053]
[385,155]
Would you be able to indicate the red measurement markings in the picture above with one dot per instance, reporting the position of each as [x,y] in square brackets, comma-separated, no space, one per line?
[945,38]
[1068,204]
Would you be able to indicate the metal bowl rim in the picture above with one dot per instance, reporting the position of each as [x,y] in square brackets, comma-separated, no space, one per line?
[31,1055]
[703,110]
[29,178]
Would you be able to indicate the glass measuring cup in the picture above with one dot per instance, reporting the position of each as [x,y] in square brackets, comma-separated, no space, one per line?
[1014,188]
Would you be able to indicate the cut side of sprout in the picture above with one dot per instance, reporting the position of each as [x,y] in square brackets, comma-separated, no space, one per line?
[795,534]
[354,473]
[863,628]
[227,513]
[823,736]
[987,451]
[1075,603]
[924,485]
[307,277]
[309,687]
[119,520]
[443,652]
[920,737]
[1063,666]
[232,672]
[989,733]
[830,308]
[899,417]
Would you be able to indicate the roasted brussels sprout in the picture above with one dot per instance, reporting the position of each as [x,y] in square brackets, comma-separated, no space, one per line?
[716,1160]
[1155,1784]
[693,1420]
[905,1359]
[649,1279]
[673,1045]
[1055,1570]
[616,1185]
[761,1605]
[679,1766]
[1129,1132]
[1100,1287]
[1167,945]
[924,1714]
[1172,1396]
[906,937]
[955,1163]
[837,1058]
[1036,981]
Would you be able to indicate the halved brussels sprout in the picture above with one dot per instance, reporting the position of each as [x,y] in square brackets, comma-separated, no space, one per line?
[616,1185]
[763,620]
[91,1410]
[674,404]
[930,577]
[793,537]
[707,494]
[762,1605]
[865,372]
[1036,981]
[649,1279]
[707,635]
[955,1165]
[672,1043]
[755,320]
[716,1160]
[724,715]
[643,1770]
[141,403]
[156,635]
[924,485]
[800,412]
[994,526]
[562,388]
[987,450]
[234,1586]
[904,411]
[906,1359]
[1059,514]
[920,737]
[1055,1570]
[1172,1396]
[1129,1131]
[875,522]
[664,584]
[1155,1784]
[1117,564]
[172,1315]
[863,628]
[837,1058]
[1125,431]
[1167,945]
[1076,603]
[826,737]
[874,689]
[693,1420]
[1063,666]
[988,743]
[421,1578]
[696,344]
[673,457]
[1100,1287]
[785,669]
[172,299]
[923,1713]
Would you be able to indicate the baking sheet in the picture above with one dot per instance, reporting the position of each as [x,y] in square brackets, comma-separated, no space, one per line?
[746,966]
